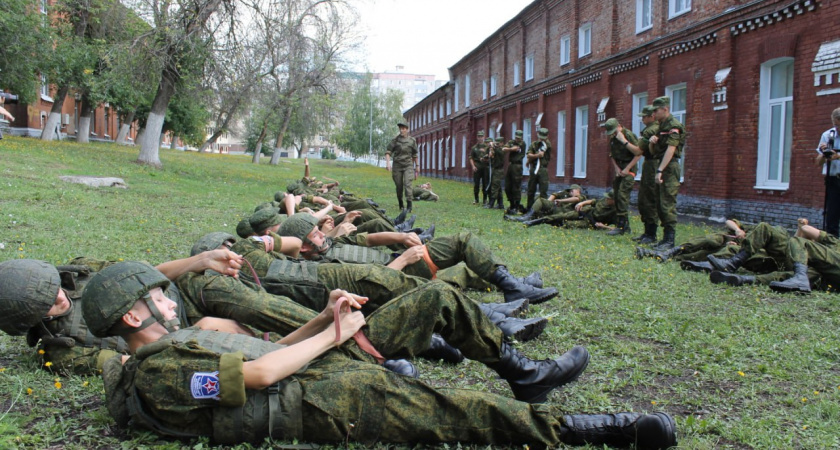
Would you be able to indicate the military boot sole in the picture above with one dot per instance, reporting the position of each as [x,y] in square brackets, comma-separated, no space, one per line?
[538,393]
[777,286]
[527,331]
[718,277]
[694,266]
[552,292]
[656,431]
[513,308]
[647,240]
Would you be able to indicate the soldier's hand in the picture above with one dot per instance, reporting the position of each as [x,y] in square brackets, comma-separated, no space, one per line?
[224,261]
[659,178]
[578,206]
[354,301]
[411,240]
[388,167]
[351,323]
[344,229]
[339,209]
[352,216]
[413,254]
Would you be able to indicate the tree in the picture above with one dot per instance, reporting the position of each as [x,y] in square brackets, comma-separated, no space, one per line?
[24,40]
[370,121]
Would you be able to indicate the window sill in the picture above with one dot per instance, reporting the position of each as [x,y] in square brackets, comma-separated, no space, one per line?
[47,98]
[771,188]
[642,30]
[678,14]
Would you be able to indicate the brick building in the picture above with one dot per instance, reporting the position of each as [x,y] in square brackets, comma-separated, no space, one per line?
[753,81]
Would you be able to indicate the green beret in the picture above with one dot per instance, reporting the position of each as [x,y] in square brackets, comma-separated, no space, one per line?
[543,132]
[611,126]
[647,111]
[662,102]
[263,219]
[574,186]
[243,228]
[299,226]
[518,133]
[480,133]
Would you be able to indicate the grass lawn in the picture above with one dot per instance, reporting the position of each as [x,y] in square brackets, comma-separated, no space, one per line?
[737,367]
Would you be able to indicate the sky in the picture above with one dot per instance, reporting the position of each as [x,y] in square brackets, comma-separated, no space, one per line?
[427,37]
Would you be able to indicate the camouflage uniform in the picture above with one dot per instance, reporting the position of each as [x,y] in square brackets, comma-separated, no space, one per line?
[539,178]
[647,187]
[601,211]
[424,195]
[403,151]
[823,259]
[513,175]
[671,133]
[544,207]
[479,157]
[335,398]
[497,166]
[623,185]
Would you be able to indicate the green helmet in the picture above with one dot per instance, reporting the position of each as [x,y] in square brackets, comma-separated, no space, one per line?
[243,228]
[299,226]
[112,292]
[279,196]
[211,241]
[29,290]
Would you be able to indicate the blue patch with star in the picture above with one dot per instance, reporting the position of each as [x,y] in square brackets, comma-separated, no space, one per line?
[205,385]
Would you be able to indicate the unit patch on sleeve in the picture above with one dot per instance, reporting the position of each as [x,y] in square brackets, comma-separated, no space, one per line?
[205,385]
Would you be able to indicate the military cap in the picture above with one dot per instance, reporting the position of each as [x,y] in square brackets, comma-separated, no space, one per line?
[263,219]
[543,132]
[500,139]
[647,111]
[574,186]
[518,133]
[279,196]
[112,292]
[480,133]
[29,290]
[266,205]
[402,123]
[296,187]
[211,241]
[243,228]
[661,102]
[299,226]
[488,139]
[611,125]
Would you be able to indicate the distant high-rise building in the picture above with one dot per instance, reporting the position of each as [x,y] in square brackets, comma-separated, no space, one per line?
[415,87]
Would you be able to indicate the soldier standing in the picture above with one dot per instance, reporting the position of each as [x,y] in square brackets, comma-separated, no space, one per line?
[666,148]
[624,153]
[404,150]
[478,162]
[647,187]
[515,150]
[497,168]
[539,155]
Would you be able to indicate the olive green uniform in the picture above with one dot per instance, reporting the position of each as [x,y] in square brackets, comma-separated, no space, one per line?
[424,195]
[623,184]
[513,175]
[671,133]
[335,398]
[544,207]
[821,258]
[497,166]
[601,211]
[403,152]
[538,177]
[647,186]
[480,158]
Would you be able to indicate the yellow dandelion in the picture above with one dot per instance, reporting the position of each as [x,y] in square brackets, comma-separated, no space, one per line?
[2,369]
[804,399]
[653,402]
[48,364]
[41,351]
[85,384]
[28,391]
[58,385]
[804,427]
[816,392]
[741,373]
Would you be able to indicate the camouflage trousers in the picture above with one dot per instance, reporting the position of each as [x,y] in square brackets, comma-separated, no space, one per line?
[773,240]
[496,184]
[666,194]
[647,193]
[424,195]
[822,259]
[448,251]
[539,179]
[76,360]
[717,244]
[402,181]
[622,187]
[367,214]
[513,183]
[543,207]
[480,176]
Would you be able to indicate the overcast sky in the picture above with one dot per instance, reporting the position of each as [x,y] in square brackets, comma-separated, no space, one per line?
[427,37]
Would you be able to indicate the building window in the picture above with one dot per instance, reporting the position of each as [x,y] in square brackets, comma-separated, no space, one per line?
[775,124]
[516,73]
[678,7]
[529,67]
[440,108]
[565,50]
[44,6]
[526,136]
[466,91]
[45,87]
[560,144]
[463,152]
[448,107]
[639,102]
[644,15]
[105,112]
[585,40]
[440,154]
[484,90]
[678,107]
[581,140]
[457,95]
[493,85]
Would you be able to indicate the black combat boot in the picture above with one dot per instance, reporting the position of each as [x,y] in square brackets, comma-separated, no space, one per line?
[510,309]
[534,279]
[523,330]
[484,199]
[718,277]
[402,367]
[400,217]
[667,242]
[512,210]
[797,283]
[537,221]
[666,255]
[531,381]
[623,226]
[645,431]
[649,236]
[409,208]
[525,217]
[499,204]
[522,209]
[372,203]
[731,264]
[439,349]
[406,225]
[427,235]
[642,252]
[697,266]
[515,289]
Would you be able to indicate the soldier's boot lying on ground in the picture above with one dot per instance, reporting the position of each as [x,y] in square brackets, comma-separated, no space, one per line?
[718,277]
[402,367]
[523,218]
[666,255]
[511,309]
[645,431]
[622,227]
[537,221]
[406,225]
[729,264]
[534,279]
[697,266]
[439,349]
[531,381]
[797,283]
[401,217]
[522,330]
[427,235]
[372,203]
[514,289]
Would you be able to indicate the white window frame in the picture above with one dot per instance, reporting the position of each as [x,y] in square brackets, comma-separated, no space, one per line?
[440,108]
[529,67]
[581,140]
[457,95]
[466,91]
[560,143]
[565,50]
[644,15]
[678,7]
[493,86]
[516,73]
[43,6]
[45,89]
[584,40]
[463,151]
[765,128]
[441,160]
[526,136]
[679,114]
[484,89]
[448,108]
[639,102]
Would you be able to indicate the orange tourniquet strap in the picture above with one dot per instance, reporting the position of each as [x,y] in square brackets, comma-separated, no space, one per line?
[432,266]
[361,339]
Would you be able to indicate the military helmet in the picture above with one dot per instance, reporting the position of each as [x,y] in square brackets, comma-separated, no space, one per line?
[243,228]
[263,219]
[112,292]
[279,196]
[29,291]
[299,226]
[211,241]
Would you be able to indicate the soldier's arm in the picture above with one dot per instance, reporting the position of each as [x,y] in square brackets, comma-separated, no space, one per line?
[390,237]
[220,260]
[633,163]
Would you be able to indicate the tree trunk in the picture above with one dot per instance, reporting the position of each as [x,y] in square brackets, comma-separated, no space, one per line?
[205,147]
[54,119]
[275,158]
[83,133]
[140,133]
[258,148]
[174,144]
[125,128]
[150,145]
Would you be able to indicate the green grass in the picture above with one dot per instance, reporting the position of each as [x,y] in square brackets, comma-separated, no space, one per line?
[737,367]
